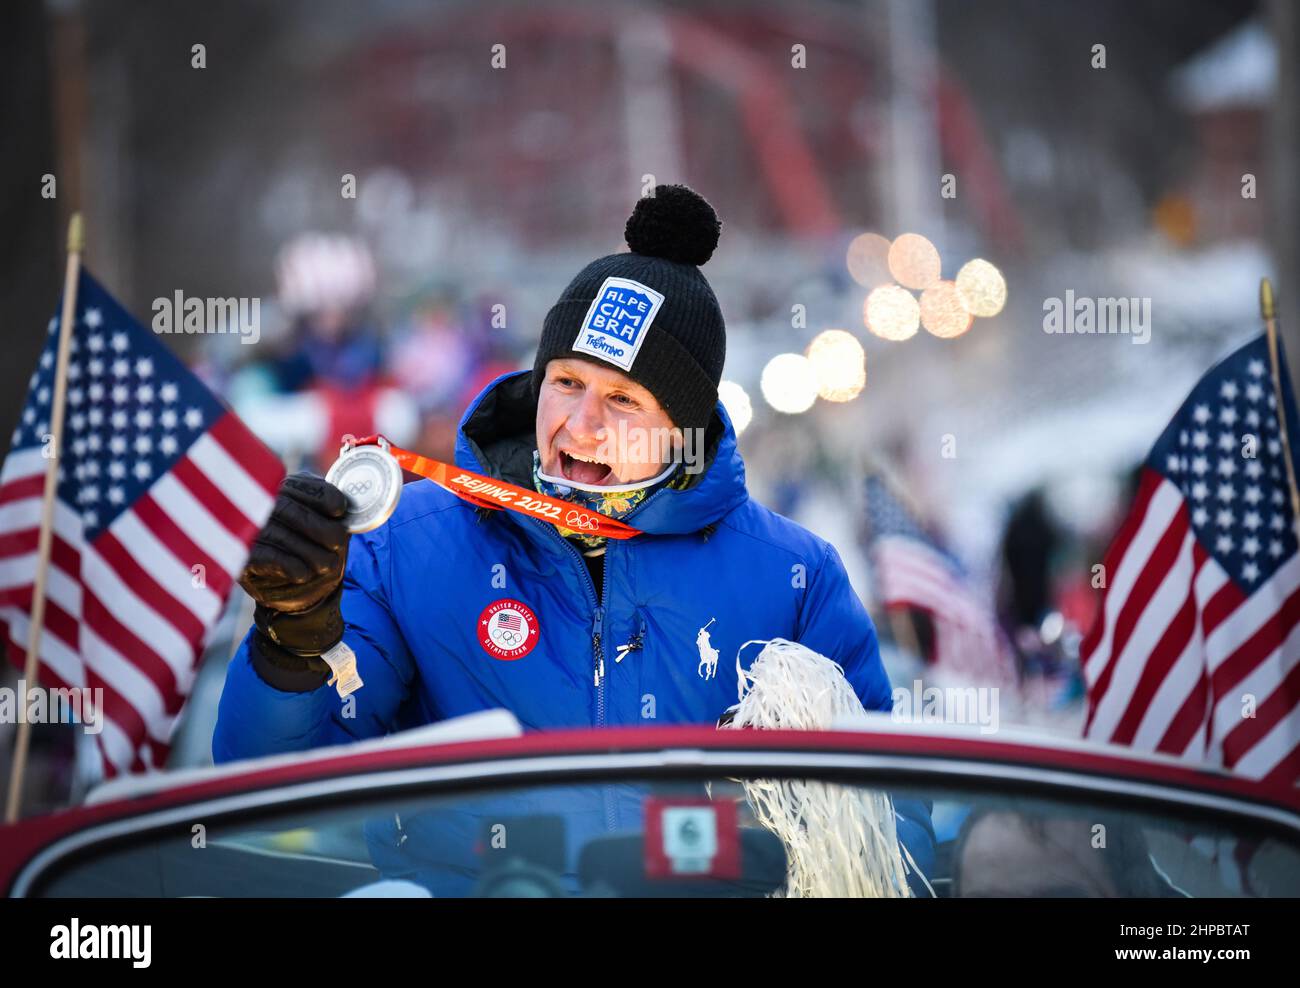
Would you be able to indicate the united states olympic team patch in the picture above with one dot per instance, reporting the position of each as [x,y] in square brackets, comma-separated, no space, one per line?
[508,629]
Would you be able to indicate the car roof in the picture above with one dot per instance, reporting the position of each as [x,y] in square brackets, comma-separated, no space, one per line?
[462,737]
[479,726]
[490,745]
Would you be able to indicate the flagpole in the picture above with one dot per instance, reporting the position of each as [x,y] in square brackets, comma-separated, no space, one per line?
[1268,310]
[30,671]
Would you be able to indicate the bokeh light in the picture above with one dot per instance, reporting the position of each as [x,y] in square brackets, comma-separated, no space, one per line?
[892,313]
[982,288]
[840,364]
[942,311]
[914,261]
[789,383]
[868,260]
[736,401]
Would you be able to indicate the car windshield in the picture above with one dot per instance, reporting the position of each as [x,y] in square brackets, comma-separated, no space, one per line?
[704,837]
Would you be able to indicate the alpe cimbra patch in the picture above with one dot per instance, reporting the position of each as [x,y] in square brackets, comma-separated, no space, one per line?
[616,324]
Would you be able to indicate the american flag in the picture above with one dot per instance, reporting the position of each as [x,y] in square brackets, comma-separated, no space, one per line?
[161,491]
[1195,651]
[511,621]
[910,571]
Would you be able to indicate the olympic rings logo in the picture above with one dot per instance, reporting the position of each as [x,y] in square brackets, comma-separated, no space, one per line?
[357,487]
[576,520]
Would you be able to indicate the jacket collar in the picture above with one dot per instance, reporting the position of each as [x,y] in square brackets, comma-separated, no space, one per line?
[498,434]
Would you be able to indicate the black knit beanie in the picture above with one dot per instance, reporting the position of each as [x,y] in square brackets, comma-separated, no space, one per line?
[649,313]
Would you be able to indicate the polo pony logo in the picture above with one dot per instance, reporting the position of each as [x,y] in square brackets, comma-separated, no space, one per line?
[708,667]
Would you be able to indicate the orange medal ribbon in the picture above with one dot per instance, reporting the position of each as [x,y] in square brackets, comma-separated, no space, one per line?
[497,494]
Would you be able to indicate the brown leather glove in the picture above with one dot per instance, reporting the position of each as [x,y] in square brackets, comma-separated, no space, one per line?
[299,557]
[296,566]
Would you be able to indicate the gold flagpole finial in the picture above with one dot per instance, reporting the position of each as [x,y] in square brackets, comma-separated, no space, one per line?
[1267,308]
[76,234]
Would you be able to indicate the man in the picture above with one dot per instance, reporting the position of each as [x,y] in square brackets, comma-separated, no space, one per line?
[596,632]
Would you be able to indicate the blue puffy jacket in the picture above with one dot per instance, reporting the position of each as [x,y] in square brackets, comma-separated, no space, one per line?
[417,589]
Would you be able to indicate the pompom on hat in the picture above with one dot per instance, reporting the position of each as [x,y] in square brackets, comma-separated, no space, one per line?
[650,313]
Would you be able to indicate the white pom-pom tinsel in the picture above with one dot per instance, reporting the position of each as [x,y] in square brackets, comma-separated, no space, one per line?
[841,840]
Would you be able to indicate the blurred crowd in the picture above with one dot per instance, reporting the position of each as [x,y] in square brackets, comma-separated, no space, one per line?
[330,366]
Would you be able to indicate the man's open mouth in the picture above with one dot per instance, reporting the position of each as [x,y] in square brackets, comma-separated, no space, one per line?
[584,470]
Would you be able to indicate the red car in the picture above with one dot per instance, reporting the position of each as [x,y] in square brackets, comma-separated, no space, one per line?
[1016,815]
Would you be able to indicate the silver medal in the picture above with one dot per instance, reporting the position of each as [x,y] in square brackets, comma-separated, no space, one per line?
[371,479]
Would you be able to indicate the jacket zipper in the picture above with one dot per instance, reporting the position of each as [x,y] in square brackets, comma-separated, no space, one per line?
[597,622]
[597,630]
[598,617]
[597,648]
[597,659]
